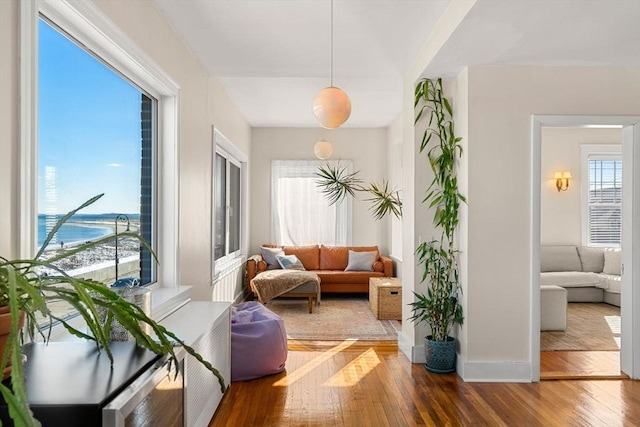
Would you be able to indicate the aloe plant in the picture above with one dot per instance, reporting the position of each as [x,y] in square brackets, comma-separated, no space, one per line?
[24,288]
[336,183]
[440,307]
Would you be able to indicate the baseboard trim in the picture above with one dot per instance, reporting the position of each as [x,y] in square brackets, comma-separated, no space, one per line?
[494,372]
[415,353]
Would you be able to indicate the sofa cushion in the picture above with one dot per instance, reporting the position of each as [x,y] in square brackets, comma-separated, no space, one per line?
[592,259]
[308,255]
[612,262]
[289,262]
[361,261]
[378,266]
[346,277]
[270,254]
[569,279]
[337,257]
[611,283]
[559,258]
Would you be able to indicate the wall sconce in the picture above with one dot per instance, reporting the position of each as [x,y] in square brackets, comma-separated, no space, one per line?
[562,180]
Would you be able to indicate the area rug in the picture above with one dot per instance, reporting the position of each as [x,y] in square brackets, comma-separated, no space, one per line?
[338,317]
[590,326]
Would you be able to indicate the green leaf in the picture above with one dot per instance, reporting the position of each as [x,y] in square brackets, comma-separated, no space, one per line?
[24,288]
[440,307]
[64,219]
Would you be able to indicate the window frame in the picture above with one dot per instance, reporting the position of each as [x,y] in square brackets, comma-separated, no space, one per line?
[148,145]
[229,160]
[87,25]
[223,147]
[594,152]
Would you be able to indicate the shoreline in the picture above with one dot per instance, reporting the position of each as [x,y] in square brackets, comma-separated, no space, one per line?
[107,225]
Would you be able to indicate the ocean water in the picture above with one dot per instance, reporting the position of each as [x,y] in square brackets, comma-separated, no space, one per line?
[74,233]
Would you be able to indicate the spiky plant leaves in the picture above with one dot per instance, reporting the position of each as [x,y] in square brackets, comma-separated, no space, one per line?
[24,287]
[336,183]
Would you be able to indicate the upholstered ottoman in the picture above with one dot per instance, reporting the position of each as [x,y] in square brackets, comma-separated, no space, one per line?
[553,308]
[258,341]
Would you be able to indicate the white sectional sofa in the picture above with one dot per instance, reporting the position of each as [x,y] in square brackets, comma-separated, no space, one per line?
[588,274]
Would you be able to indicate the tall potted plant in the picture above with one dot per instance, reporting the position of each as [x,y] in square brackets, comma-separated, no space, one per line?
[439,307]
[27,286]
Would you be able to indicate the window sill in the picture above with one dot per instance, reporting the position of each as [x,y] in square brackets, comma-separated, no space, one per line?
[164,301]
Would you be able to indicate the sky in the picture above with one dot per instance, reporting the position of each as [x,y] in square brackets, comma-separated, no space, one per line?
[88,131]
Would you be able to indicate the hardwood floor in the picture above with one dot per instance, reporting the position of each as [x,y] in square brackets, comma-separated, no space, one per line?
[580,365]
[355,383]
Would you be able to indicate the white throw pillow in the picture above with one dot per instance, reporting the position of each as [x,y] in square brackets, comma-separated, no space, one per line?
[290,262]
[361,261]
[270,254]
[612,262]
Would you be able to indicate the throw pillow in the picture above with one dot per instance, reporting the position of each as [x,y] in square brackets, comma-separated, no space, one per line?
[289,262]
[612,262]
[269,255]
[361,261]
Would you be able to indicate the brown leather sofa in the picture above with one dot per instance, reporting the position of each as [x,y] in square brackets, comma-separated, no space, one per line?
[329,262]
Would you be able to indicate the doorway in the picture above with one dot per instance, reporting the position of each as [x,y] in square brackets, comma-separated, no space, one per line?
[580,200]
[630,301]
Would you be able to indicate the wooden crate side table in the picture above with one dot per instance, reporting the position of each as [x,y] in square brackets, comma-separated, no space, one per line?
[385,297]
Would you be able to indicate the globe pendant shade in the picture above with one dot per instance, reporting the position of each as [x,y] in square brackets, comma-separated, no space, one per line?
[331,107]
[323,149]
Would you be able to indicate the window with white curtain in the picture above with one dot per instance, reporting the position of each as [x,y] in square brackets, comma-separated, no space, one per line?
[300,213]
[602,195]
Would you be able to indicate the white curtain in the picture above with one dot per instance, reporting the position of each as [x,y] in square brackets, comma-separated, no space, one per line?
[300,213]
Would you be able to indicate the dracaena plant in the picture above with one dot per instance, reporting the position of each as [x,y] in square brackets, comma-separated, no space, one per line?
[29,285]
[336,183]
[440,306]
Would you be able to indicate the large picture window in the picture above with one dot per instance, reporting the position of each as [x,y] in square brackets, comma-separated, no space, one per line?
[602,195]
[300,213]
[96,134]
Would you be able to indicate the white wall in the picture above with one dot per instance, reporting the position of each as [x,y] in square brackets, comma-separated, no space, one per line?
[202,103]
[366,147]
[416,220]
[561,211]
[459,94]
[394,167]
[501,103]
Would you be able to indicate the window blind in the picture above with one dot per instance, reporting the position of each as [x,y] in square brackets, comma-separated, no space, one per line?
[605,201]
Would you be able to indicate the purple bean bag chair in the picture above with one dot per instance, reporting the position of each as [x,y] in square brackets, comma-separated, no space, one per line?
[258,341]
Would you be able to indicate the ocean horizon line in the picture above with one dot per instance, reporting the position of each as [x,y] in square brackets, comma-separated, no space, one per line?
[113,214]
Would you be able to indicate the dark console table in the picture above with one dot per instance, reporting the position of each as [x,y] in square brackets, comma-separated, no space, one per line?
[68,383]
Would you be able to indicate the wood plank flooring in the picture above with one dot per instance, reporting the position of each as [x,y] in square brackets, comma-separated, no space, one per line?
[355,383]
[580,365]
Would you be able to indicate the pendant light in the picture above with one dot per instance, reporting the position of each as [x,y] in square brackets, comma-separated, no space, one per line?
[323,149]
[331,106]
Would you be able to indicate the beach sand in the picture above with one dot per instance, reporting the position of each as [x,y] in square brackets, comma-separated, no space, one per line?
[127,246]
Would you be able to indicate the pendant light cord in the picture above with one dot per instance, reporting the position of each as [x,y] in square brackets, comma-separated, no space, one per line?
[331,61]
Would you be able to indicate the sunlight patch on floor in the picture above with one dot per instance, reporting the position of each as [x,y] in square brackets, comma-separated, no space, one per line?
[296,375]
[356,370]
[614,325]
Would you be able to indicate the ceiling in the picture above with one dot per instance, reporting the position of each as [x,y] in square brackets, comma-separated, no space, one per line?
[272,56]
